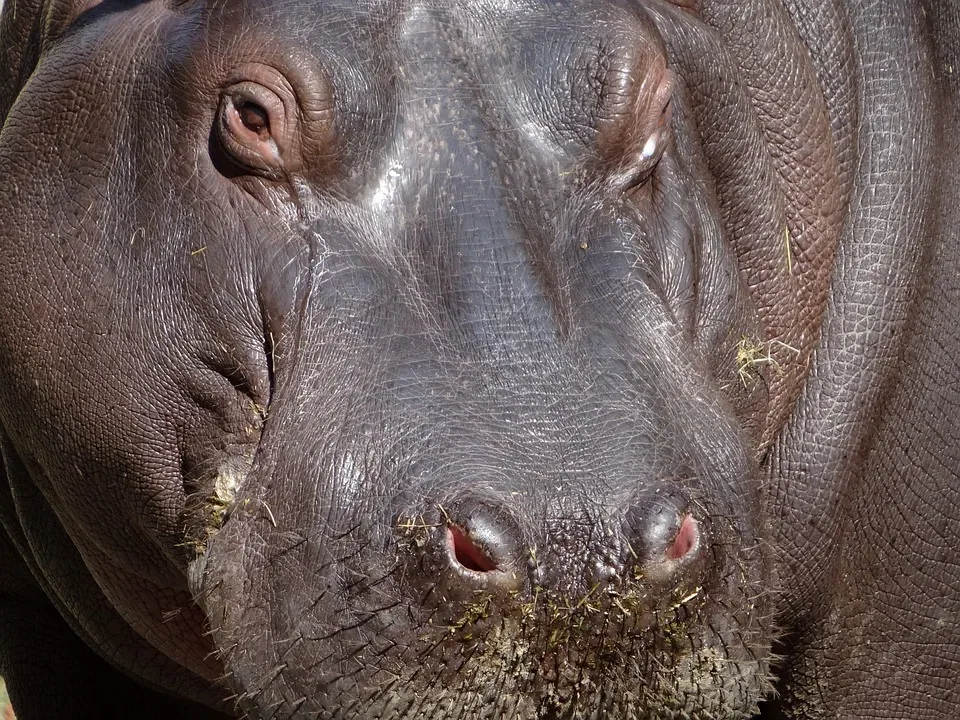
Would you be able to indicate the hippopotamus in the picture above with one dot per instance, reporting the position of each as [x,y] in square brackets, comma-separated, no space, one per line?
[481,358]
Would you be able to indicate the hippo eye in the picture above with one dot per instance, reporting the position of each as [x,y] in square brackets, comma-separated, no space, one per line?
[650,149]
[254,118]
[253,129]
[648,157]
[634,131]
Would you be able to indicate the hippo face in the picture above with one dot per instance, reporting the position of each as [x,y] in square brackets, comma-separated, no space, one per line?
[410,341]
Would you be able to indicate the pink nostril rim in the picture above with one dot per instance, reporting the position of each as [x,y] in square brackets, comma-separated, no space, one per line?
[466,553]
[687,540]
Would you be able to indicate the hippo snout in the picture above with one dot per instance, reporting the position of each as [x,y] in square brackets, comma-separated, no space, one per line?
[548,592]
[497,592]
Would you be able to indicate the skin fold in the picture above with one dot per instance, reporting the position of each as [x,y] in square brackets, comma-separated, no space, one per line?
[459,360]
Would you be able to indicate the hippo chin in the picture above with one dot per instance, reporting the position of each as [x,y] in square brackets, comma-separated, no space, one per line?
[458,360]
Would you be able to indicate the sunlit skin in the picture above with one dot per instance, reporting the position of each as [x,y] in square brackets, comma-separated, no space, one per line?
[483,359]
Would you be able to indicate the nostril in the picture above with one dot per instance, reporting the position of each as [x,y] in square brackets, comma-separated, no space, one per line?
[686,541]
[466,552]
[665,539]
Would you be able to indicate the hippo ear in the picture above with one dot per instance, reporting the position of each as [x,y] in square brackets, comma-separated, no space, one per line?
[27,27]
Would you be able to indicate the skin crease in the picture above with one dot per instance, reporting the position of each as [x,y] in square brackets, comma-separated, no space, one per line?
[462,360]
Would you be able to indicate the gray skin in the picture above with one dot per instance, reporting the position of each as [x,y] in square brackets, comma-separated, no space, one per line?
[479,359]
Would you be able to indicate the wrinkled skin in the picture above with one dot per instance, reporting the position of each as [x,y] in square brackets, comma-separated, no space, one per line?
[400,359]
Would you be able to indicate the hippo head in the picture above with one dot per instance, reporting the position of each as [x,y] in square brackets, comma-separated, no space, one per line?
[429,348]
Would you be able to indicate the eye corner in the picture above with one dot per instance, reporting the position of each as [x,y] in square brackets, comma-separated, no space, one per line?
[643,161]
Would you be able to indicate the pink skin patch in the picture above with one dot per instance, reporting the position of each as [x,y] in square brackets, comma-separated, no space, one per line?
[687,540]
[466,552]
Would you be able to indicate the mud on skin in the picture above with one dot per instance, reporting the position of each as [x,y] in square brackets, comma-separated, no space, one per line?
[459,360]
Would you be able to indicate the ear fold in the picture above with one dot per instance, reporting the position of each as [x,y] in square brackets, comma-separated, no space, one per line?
[27,27]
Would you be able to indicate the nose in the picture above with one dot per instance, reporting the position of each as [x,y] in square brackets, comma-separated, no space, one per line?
[468,549]
[478,546]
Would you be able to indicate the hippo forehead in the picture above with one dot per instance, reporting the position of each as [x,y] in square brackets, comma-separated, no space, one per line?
[485,237]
